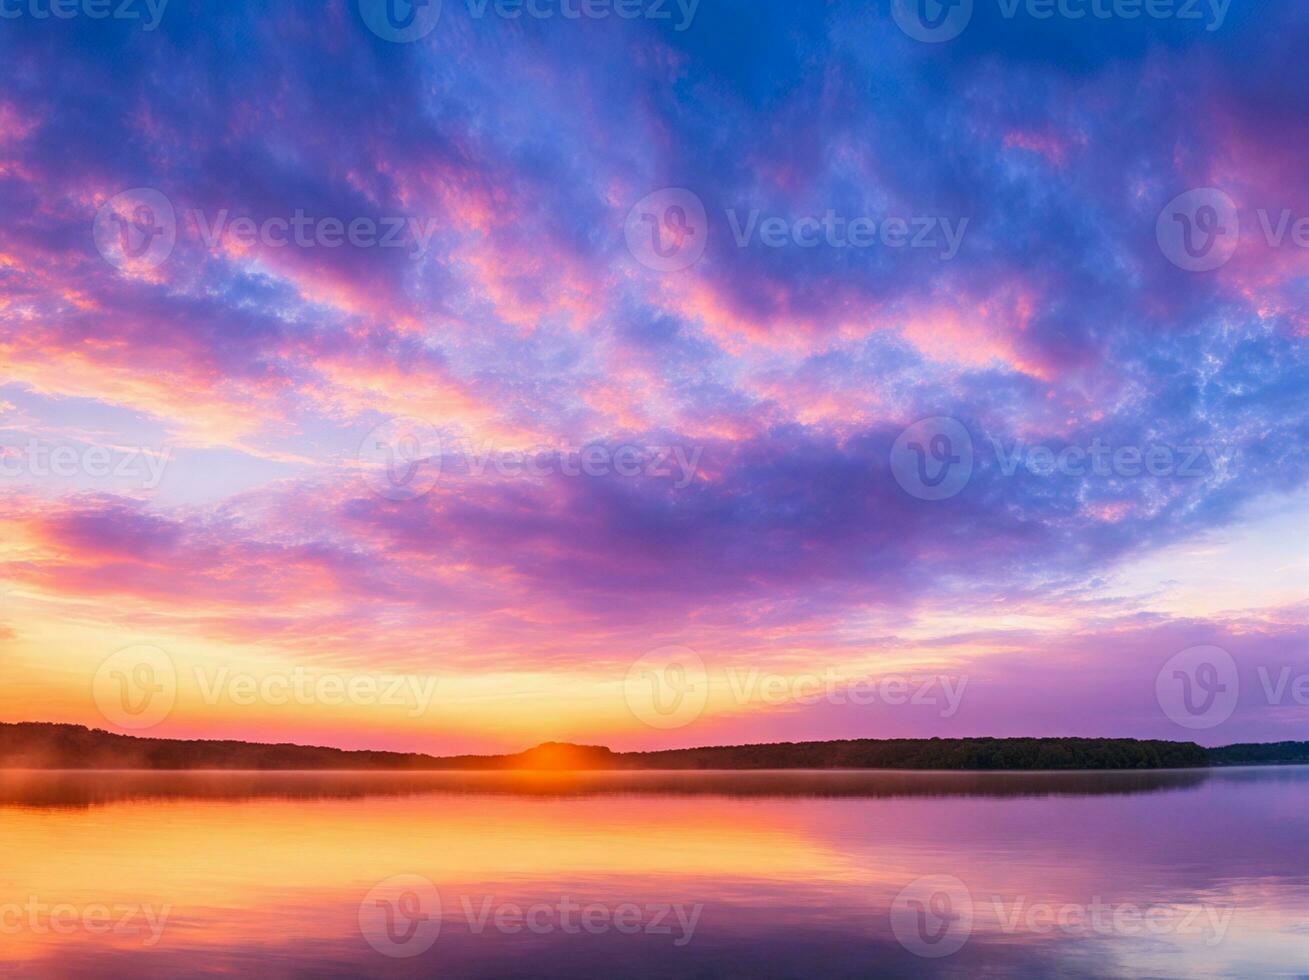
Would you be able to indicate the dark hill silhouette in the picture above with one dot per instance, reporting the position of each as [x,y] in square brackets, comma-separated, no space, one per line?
[34,745]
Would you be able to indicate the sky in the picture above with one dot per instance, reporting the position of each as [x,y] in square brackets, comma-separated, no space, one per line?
[652,374]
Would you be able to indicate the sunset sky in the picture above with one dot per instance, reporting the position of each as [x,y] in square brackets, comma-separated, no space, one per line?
[225,410]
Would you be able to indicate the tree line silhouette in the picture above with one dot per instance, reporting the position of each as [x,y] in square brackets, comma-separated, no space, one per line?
[51,746]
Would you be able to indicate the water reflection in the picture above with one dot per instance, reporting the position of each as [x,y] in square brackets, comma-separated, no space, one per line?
[1201,873]
[89,788]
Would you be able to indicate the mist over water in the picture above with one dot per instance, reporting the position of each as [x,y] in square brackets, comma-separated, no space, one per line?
[770,874]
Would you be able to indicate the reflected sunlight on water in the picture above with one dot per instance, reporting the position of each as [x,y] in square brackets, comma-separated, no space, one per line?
[659,874]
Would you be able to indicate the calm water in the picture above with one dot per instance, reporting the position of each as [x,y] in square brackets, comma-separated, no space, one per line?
[702,874]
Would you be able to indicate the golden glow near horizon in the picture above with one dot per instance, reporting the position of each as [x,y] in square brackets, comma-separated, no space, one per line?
[365,694]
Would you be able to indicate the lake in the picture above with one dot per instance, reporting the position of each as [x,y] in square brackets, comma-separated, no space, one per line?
[739,874]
